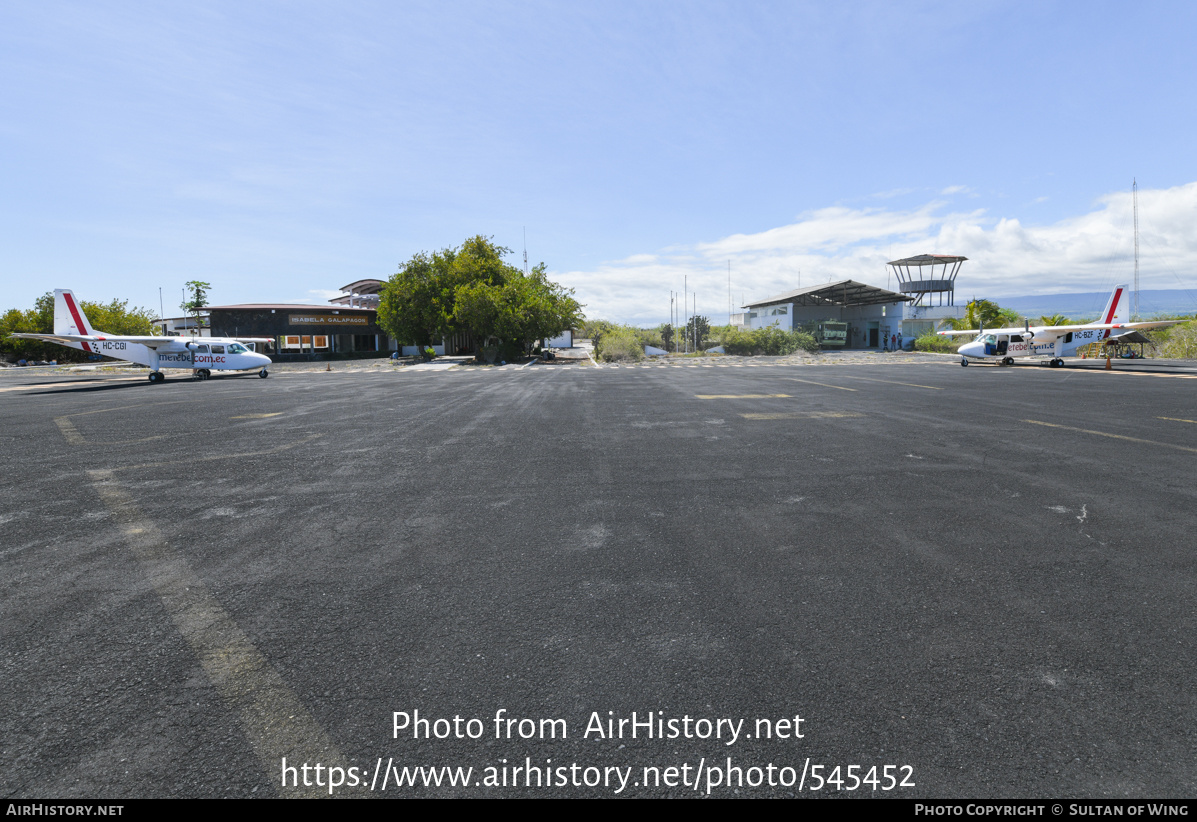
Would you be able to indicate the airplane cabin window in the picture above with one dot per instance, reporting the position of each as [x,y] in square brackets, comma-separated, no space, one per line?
[202,349]
[218,349]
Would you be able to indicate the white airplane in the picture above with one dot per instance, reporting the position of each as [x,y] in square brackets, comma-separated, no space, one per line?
[201,354]
[1055,341]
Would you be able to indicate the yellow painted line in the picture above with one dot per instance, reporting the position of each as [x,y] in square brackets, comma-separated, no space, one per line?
[69,431]
[1176,419]
[146,405]
[825,385]
[256,416]
[1114,436]
[73,437]
[892,382]
[276,723]
[803,415]
[214,457]
[742,396]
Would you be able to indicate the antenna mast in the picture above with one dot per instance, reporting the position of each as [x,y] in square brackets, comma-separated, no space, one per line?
[1135,198]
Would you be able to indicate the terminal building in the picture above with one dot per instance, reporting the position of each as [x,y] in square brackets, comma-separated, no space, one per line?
[347,326]
[873,315]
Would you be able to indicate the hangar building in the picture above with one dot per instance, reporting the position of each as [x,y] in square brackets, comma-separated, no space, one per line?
[873,315]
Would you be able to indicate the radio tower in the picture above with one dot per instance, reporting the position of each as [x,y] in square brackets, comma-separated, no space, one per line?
[1135,198]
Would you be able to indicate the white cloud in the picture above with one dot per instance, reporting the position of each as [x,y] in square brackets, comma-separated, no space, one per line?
[1089,252]
[893,192]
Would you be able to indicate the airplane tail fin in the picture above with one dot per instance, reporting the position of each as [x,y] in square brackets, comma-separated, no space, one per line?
[68,314]
[1117,310]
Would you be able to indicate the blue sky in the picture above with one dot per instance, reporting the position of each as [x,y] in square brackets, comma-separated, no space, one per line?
[280,150]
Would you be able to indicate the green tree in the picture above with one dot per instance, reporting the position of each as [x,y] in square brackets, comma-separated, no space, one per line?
[698,331]
[471,287]
[417,302]
[1054,319]
[987,312]
[113,317]
[116,317]
[667,334]
[199,296]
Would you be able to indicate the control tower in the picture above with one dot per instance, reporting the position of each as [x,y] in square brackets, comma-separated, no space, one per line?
[926,275]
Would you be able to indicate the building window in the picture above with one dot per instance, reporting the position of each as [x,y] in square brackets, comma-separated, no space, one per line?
[319,341]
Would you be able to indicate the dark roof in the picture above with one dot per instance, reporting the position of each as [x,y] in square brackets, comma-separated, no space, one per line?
[282,307]
[929,259]
[1131,337]
[844,292]
[364,286]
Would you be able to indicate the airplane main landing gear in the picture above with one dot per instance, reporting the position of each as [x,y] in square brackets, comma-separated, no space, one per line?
[202,373]
[263,373]
[157,376]
[1055,363]
[1008,361]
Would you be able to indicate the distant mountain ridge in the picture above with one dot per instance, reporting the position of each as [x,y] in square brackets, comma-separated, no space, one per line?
[1090,303]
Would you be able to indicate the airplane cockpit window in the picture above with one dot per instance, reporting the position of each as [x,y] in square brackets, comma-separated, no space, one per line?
[237,348]
[989,338]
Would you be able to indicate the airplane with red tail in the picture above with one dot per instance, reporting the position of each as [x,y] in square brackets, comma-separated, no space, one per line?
[202,355]
[1005,345]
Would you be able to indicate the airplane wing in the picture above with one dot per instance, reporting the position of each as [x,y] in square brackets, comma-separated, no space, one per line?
[1041,332]
[976,331]
[1060,330]
[54,338]
[1152,324]
[150,342]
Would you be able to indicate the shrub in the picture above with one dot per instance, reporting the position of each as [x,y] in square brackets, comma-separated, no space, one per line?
[652,336]
[771,341]
[619,343]
[1177,342]
[937,344]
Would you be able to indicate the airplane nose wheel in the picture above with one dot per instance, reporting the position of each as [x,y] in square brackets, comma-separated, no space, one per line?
[964,361]
[263,373]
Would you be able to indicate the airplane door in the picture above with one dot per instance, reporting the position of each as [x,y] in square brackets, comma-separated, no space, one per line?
[1003,344]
